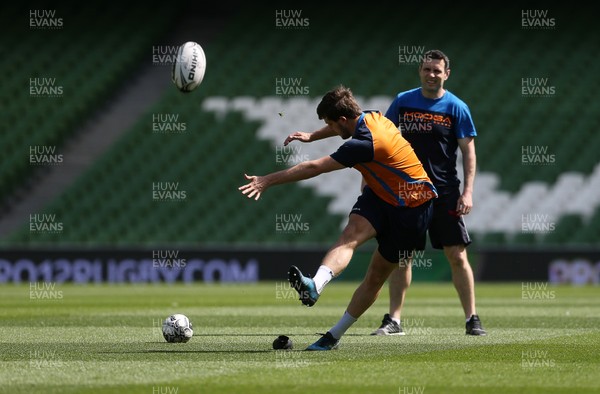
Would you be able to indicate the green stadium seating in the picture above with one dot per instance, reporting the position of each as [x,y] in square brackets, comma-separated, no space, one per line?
[88,65]
[112,204]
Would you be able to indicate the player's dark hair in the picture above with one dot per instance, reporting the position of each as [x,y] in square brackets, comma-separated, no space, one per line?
[338,102]
[437,55]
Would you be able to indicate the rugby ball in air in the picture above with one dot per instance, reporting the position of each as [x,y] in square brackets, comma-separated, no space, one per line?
[189,67]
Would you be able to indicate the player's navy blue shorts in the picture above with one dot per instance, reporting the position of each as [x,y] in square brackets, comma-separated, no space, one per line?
[400,230]
[447,228]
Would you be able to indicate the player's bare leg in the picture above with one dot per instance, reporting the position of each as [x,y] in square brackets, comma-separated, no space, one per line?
[462,277]
[364,296]
[398,284]
[357,231]
[367,292]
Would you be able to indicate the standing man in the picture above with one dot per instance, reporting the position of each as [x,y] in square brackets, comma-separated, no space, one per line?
[437,123]
[395,206]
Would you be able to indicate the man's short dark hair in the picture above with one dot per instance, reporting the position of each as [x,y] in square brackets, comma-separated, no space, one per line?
[338,102]
[437,55]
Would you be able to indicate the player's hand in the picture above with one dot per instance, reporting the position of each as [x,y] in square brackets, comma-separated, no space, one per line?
[297,136]
[254,188]
[464,204]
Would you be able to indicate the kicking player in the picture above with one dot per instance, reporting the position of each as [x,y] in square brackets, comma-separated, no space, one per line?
[395,206]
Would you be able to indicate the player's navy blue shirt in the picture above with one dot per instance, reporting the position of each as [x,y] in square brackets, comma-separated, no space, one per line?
[433,127]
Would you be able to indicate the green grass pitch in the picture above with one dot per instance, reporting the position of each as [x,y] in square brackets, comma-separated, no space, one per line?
[106,339]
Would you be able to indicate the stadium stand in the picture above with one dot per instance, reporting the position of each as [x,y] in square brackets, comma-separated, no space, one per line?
[76,68]
[236,122]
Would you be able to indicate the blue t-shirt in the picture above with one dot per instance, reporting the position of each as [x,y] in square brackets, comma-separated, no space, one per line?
[433,127]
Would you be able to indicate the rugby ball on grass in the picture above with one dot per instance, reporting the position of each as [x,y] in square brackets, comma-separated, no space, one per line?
[189,67]
[177,328]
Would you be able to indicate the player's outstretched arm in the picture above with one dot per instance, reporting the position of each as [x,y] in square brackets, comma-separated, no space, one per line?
[304,170]
[324,132]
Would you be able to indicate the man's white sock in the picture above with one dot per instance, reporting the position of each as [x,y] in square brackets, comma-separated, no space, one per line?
[397,321]
[322,277]
[344,324]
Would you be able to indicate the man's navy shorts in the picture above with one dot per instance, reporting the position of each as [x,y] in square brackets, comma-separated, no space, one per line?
[400,230]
